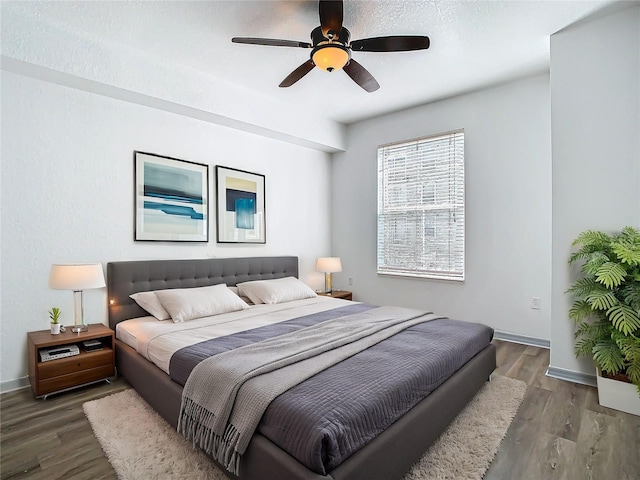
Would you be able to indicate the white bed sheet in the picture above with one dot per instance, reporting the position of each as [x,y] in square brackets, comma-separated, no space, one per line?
[158,340]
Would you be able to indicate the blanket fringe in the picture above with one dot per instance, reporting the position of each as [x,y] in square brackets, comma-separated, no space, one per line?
[195,424]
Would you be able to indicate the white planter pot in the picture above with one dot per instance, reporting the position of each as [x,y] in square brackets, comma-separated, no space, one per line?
[55,328]
[618,395]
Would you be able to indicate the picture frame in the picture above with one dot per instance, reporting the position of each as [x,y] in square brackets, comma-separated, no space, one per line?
[241,209]
[171,199]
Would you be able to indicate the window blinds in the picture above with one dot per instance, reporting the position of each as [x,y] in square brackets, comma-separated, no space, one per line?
[421,207]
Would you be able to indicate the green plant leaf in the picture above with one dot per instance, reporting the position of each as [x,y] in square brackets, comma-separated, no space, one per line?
[633,372]
[631,295]
[594,262]
[583,287]
[583,348]
[629,346]
[54,314]
[628,230]
[592,242]
[624,318]
[602,299]
[627,252]
[580,310]
[608,357]
[592,237]
[585,253]
[610,274]
[630,234]
[589,334]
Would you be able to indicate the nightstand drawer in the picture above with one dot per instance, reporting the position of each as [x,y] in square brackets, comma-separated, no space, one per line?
[75,379]
[84,361]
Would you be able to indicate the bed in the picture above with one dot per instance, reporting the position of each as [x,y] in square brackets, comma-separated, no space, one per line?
[388,456]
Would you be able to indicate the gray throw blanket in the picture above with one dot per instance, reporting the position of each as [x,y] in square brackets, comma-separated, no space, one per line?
[226,395]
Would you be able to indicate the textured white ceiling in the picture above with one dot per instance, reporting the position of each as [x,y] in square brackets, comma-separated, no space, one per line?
[473,44]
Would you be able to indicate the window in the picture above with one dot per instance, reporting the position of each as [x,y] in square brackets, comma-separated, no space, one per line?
[421,207]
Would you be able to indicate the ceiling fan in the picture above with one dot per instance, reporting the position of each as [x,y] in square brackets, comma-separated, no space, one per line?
[332,47]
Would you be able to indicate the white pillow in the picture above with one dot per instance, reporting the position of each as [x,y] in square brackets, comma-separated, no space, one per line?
[150,302]
[246,300]
[189,303]
[278,290]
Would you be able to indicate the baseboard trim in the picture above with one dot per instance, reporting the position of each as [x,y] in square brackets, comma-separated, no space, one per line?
[515,338]
[554,372]
[16,384]
[571,376]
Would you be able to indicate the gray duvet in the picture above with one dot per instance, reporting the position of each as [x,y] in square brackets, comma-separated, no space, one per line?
[328,417]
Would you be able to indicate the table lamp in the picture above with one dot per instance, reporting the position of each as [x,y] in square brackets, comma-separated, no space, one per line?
[328,265]
[77,278]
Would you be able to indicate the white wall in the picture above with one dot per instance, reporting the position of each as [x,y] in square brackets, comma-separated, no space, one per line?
[508,207]
[595,94]
[67,196]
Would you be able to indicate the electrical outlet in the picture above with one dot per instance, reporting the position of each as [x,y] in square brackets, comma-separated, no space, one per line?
[535,303]
[350,282]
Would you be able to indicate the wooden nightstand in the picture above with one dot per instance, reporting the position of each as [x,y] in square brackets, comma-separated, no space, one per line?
[344,294]
[62,374]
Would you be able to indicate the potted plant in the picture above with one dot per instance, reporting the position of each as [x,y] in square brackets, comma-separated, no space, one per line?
[606,312]
[54,315]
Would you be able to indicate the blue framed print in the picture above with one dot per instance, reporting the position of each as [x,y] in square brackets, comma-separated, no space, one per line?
[172,199]
[241,206]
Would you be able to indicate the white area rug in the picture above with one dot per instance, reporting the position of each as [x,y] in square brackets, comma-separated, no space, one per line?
[141,445]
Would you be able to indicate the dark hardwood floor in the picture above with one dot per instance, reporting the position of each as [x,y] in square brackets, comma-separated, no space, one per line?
[560,431]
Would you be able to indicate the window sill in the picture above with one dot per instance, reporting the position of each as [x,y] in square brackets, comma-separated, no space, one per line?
[421,277]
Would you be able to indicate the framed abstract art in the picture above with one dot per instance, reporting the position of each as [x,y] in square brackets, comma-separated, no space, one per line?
[241,206]
[172,199]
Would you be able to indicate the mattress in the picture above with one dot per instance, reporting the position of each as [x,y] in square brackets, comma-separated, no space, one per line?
[158,340]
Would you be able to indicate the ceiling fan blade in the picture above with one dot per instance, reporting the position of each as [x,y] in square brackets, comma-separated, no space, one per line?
[271,42]
[361,76]
[297,74]
[396,43]
[330,16]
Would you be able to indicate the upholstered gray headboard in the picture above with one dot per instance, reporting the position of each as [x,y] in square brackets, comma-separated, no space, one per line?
[125,278]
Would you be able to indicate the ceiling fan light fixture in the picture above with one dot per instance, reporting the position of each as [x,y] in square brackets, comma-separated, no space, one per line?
[332,47]
[330,57]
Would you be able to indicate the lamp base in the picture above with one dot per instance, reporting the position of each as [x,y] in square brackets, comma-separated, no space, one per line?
[327,283]
[79,328]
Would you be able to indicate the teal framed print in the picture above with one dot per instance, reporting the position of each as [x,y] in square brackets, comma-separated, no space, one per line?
[240,206]
[172,199]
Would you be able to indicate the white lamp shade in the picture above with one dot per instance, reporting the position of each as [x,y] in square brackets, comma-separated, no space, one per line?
[328,265]
[76,277]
